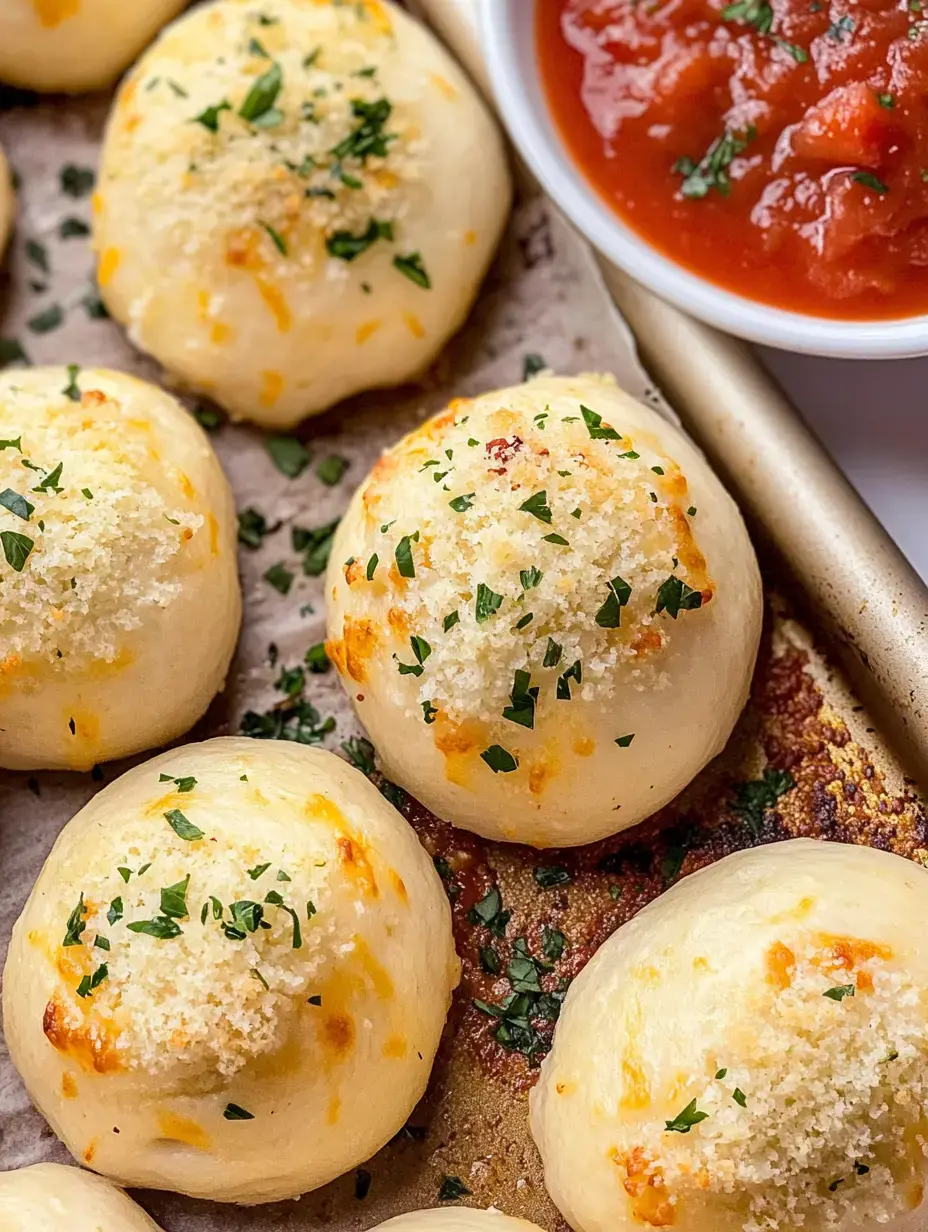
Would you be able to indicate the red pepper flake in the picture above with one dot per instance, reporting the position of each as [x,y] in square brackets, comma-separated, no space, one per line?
[501,450]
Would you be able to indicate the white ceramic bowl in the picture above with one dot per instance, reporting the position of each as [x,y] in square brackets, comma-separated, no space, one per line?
[508,31]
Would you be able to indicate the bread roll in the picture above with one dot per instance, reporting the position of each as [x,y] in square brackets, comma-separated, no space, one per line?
[749,1052]
[297,202]
[546,610]
[232,975]
[50,1198]
[456,1219]
[119,597]
[75,45]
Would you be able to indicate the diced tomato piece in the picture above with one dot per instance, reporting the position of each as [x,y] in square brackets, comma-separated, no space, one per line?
[847,127]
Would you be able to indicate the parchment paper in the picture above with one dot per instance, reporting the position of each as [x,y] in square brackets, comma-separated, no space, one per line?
[543,296]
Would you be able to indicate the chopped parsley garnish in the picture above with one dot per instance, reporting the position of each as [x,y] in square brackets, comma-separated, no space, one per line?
[331,469]
[550,877]
[16,549]
[712,169]
[451,620]
[278,240]
[597,430]
[316,546]
[16,504]
[739,1097]
[234,1112]
[258,870]
[47,320]
[49,482]
[372,566]
[839,992]
[413,269]
[101,943]
[529,578]
[403,555]
[720,1074]
[429,712]
[869,180]
[76,181]
[674,596]
[252,527]
[489,912]
[451,1189]
[838,29]
[420,648]
[525,620]
[71,390]
[115,912]
[184,784]
[369,137]
[759,14]
[887,101]
[346,246]
[537,506]
[609,615]
[174,900]
[209,117]
[75,925]
[181,826]
[574,672]
[487,603]
[317,660]
[752,799]
[558,539]
[624,741]
[553,652]
[500,760]
[523,698]
[280,577]
[552,942]
[461,504]
[162,928]
[360,753]
[89,983]
[295,720]
[289,455]
[260,99]
[11,352]
[684,1121]
[532,364]
[208,417]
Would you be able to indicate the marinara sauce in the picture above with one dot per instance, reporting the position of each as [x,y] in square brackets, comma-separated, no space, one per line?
[778,149]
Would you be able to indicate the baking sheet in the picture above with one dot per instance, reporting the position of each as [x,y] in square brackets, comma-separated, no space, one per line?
[839,782]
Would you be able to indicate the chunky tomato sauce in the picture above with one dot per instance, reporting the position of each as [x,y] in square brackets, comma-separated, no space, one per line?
[778,149]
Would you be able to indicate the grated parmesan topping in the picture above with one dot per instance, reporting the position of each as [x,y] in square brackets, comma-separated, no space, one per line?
[201,1002]
[834,1092]
[230,185]
[104,547]
[621,521]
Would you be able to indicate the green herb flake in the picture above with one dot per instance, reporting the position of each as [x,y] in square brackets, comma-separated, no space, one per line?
[624,741]
[674,596]
[739,1097]
[234,1112]
[209,117]
[523,698]
[450,621]
[75,925]
[412,268]
[452,1188]
[500,760]
[609,615]
[552,876]
[869,180]
[181,826]
[276,238]
[461,504]
[597,430]
[532,364]
[684,1121]
[346,246]
[115,912]
[753,798]
[16,549]
[711,172]
[553,653]
[76,181]
[16,504]
[47,320]
[263,94]
[839,992]
[162,928]
[537,506]
[529,578]
[289,455]
[487,603]
[331,469]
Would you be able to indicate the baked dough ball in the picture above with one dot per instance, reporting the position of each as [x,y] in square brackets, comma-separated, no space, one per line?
[456,1219]
[546,610]
[232,974]
[7,201]
[50,1198]
[75,45]
[297,202]
[749,1053]
[119,598]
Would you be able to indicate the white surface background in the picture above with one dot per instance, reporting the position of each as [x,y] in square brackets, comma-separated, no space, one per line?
[873,419]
